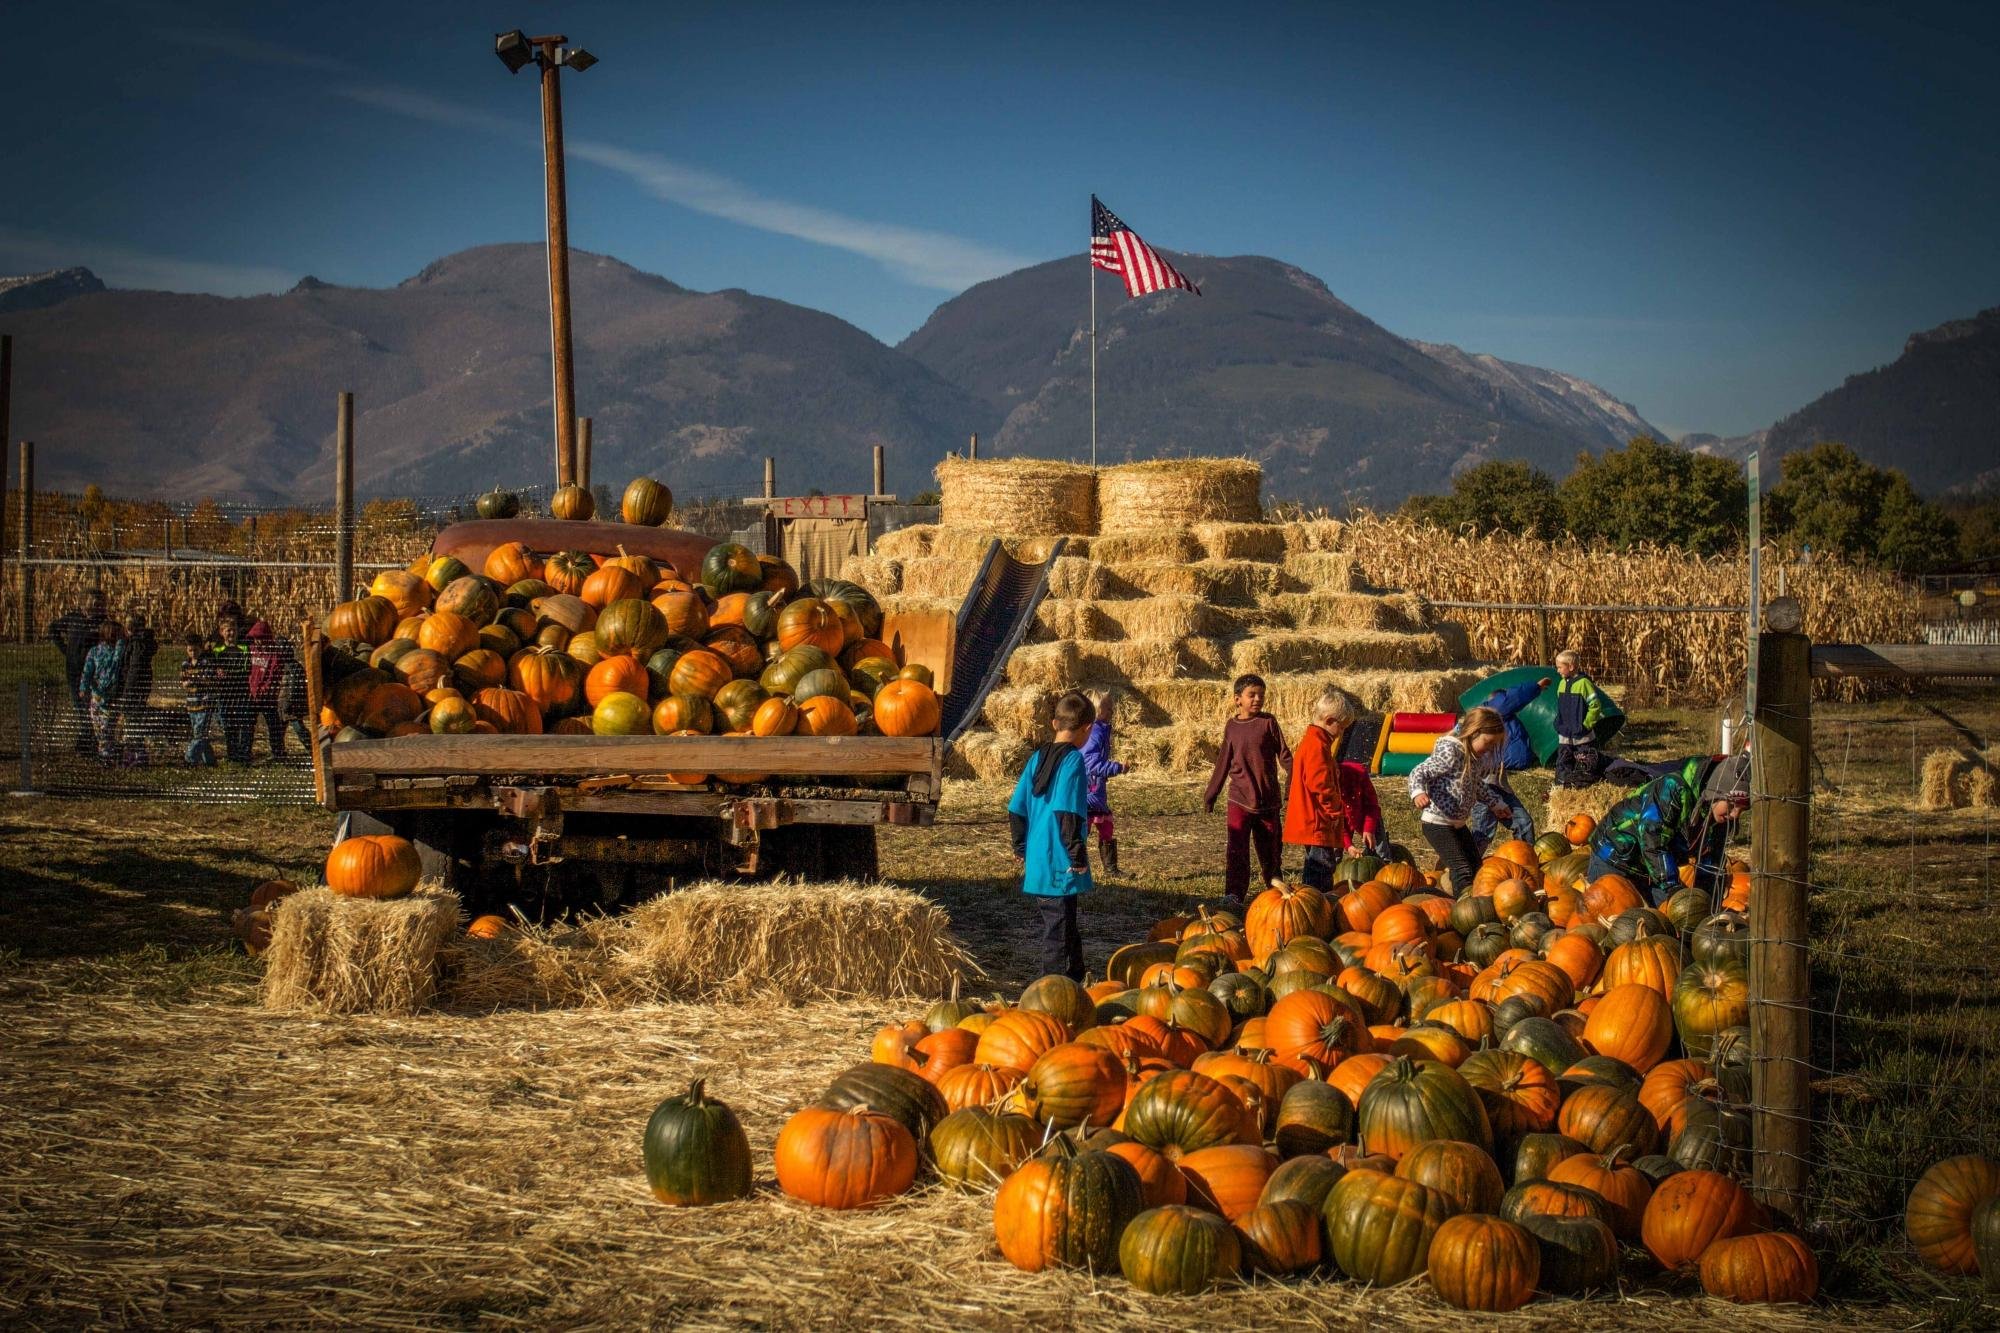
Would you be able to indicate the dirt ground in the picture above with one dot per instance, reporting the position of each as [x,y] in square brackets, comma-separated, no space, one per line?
[170,1153]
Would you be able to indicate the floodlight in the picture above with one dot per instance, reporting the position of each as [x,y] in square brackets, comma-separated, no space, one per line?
[578,59]
[513,50]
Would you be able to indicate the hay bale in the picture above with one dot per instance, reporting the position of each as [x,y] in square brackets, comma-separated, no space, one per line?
[1323,571]
[1155,546]
[1937,788]
[1241,541]
[1068,619]
[945,577]
[1565,803]
[1175,617]
[1317,534]
[1081,663]
[880,574]
[1220,582]
[1078,578]
[1027,496]
[1337,650]
[986,756]
[338,955]
[907,543]
[1178,492]
[1344,610]
[1979,788]
[1021,711]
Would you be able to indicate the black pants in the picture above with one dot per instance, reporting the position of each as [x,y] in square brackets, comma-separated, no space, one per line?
[1318,872]
[1062,943]
[239,734]
[1457,851]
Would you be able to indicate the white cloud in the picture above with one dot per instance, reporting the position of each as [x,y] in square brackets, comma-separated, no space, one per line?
[126,266]
[925,258]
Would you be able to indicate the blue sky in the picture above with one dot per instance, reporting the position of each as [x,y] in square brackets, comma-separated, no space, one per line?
[1715,213]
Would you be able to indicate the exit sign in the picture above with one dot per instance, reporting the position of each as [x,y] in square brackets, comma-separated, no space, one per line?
[817,506]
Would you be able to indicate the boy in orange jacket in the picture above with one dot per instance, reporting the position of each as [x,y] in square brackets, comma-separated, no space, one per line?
[1331,805]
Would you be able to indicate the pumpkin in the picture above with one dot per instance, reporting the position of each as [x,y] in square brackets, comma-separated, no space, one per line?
[424,670]
[1314,1025]
[696,1151]
[370,620]
[1623,1189]
[973,1084]
[1650,958]
[1181,1112]
[1074,1084]
[1537,1154]
[572,613]
[1549,1198]
[646,503]
[613,675]
[1546,1042]
[572,503]
[1464,1174]
[510,563]
[1412,1101]
[551,679]
[1603,1117]
[1280,1237]
[611,583]
[683,713]
[907,708]
[1520,1096]
[737,703]
[684,612]
[1578,1254]
[487,927]
[1772,1267]
[1484,1263]
[807,620]
[1228,1178]
[1352,1075]
[620,713]
[1379,1227]
[857,599]
[1058,995]
[730,567]
[630,626]
[1709,997]
[1178,1251]
[848,1158]
[510,711]
[388,706]
[1579,828]
[1938,1215]
[937,1053]
[565,571]
[1312,1117]
[1690,1211]
[470,596]
[775,717]
[824,715]
[975,1148]
[699,672]
[1019,1037]
[373,866]
[898,1093]
[498,504]
[452,717]
[1632,1023]
[777,576]
[1066,1209]
[1577,955]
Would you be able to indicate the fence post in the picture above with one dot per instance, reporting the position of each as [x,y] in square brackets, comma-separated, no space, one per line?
[583,452]
[879,488]
[27,539]
[6,427]
[1542,635]
[1781,867]
[27,783]
[972,449]
[343,498]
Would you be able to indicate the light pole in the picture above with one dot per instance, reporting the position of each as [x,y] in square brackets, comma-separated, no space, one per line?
[517,51]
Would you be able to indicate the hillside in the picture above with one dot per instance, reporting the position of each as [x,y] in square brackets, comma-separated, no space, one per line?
[1934,412]
[211,395]
[1266,363]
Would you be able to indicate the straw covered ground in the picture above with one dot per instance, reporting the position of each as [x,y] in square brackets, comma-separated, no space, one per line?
[172,1153]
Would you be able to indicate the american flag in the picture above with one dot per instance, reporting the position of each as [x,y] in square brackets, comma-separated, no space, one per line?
[1116,247]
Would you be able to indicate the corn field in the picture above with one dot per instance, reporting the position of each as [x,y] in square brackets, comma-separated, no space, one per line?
[1692,651]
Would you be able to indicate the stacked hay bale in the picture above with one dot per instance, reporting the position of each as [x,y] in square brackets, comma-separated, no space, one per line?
[1177,587]
[1955,780]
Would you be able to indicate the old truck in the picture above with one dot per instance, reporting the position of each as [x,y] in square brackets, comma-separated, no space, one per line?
[563,823]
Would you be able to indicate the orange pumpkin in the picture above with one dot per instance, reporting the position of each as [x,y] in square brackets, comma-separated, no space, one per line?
[1579,828]
[612,675]
[1632,1023]
[844,1159]
[824,715]
[448,634]
[612,584]
[373,866]
[775,717]
[685,612]
[509,711]
[699,672]
[810,620]
[549,677]
[407,592]
[907,708]
[511,562]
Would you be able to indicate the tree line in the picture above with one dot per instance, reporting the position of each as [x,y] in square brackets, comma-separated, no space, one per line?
[1827,499]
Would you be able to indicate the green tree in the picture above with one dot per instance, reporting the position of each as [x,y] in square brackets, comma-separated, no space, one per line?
[1831,499]
[1654,492]
[1494,497]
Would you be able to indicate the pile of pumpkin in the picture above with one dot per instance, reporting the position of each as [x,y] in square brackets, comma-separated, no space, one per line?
[611,644]
[1386,1081]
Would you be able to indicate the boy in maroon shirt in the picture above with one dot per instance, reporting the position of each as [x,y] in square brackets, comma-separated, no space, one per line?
[1252,751]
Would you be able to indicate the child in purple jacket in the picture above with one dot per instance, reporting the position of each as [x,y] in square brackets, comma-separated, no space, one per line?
[1098,768]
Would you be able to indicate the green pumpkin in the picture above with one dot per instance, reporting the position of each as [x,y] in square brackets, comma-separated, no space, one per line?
[1722,940]
[1178,1251]
[1655,1167]
[1184,1110]
[1087,1199]
[1241,995]
[1059,997]
[1379,1227]
[950,1013]
[1579,1254]
[1537,1153]
[1715,1134]
[976,1149]
[1687,909]
[696,1151]
[1414,1100]
[443,571]
[1312,1117]
[1517,1205]
[1550,846]
[730,567]
[526,592]
[825,680]
[1707,999]
[1600,1070]
[1545,1041]
[1305,1179]
[1128,962]
[851,595]
[896,1093]
[783,674]
[630,626]
[870,674]
[1986,1241]
[737,702]
[498,504]
[1485,942]
[1356,869]
[385,657]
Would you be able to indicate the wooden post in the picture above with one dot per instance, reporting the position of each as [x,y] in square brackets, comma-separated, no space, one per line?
[26,536]
[879,487]
[770,478]
[310,646]
[343,498]
[6,427]
[583,452]
[1542,636]
[973,448]
[1780,976]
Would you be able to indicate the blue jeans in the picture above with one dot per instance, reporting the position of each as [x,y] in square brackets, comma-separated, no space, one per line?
[1481,822]
[200,753]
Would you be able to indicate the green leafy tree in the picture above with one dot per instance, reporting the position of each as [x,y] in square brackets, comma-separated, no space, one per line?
[1654,492]
[1831,499]
[1494,497]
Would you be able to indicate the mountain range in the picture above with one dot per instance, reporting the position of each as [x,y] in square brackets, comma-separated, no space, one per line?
[204,395]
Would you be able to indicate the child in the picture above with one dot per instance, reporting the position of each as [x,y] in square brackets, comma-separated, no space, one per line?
[1331,804]
[199,684]
[232,665]
[1252,749]
[1680,817]
[1099,767]
[1447,786]
[1579,708]
[101,686]
[1518,753]
[1046,816]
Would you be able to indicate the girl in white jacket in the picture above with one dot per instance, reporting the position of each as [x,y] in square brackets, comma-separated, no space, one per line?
[1448,786]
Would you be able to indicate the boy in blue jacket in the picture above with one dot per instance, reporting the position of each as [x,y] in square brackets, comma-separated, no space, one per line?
[1098,768]
[1047,815]
[1516,754]
[1579,709]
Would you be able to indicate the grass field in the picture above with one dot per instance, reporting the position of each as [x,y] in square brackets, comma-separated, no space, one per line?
[170,1153]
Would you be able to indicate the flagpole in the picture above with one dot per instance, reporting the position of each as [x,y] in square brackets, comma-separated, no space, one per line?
[1090,267]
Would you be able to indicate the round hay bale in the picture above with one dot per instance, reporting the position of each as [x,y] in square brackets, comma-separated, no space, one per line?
[1179,492]
[1027,497]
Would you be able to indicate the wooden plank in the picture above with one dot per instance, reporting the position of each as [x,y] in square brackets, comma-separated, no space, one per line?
[582,756]
[1903,660]
[309,646]
[683,804]
[929,637]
